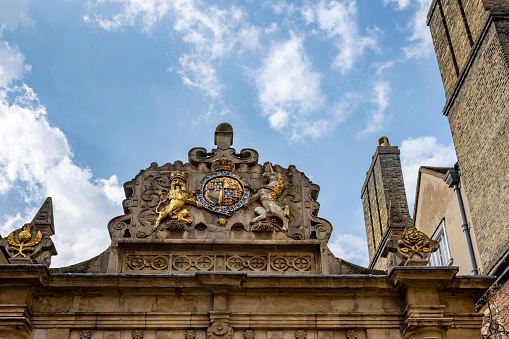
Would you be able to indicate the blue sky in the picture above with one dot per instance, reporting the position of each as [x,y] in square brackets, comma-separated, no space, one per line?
[93,92]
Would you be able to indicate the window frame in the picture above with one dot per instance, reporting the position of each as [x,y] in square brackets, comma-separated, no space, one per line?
[443,253]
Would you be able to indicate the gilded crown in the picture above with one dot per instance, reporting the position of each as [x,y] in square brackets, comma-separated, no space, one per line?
[179,175]
[222,164]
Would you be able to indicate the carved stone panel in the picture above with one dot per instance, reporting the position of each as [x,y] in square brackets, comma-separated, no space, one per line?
[186,262]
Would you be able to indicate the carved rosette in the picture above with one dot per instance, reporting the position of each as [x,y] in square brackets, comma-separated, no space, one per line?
[138,334]
[220,330]
[351,334]
[301,334]
[190,334]
[85,334]
[249,334]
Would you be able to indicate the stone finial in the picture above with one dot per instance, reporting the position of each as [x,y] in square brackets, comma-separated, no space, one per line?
[43,220]
[383,141]
[31,244]
[223,137]
[412,247]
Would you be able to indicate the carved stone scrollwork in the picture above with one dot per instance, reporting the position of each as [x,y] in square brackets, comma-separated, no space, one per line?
[202,263]
[85,334]
[351,334]
[301,334]
[279,264]
[156,262]
[182,263]
[257,263]
[220,330]
[190,334]
[299,264]
[138,334]
[235,263]
[249,334]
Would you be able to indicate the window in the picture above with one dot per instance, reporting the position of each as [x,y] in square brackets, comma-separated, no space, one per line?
[440,257]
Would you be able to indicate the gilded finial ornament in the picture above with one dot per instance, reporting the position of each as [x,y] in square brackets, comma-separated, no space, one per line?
[413,241]
[24,237]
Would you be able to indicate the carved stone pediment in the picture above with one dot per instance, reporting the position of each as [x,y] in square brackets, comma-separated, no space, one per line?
[221,195]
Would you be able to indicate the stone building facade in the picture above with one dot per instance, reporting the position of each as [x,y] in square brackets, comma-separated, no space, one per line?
[223,247]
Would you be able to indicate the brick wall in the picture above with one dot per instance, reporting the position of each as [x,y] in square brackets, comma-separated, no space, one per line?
[383,200]
[475,74]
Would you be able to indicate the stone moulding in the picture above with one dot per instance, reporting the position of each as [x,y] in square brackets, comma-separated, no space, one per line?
[316,302]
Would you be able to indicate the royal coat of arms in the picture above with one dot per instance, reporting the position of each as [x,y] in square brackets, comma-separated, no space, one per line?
[223,192]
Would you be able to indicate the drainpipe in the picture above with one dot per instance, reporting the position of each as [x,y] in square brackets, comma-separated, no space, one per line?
[452,178]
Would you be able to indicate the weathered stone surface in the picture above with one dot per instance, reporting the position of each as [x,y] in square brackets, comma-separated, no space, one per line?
[217,272]
[384,202]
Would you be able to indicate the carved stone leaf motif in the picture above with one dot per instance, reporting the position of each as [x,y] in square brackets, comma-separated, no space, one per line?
[190,334]
[249,334]
[351,334]
[292,197]
[85,334]
[137,334]
[301,334]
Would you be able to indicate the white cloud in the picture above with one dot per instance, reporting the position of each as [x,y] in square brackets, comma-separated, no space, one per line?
[11,64]
[377,120]
[402,4]
[421,43]
[288,89]
[350,248]
[422,151]
[337,19]
[15,13]
[211,32]
[127,13]
[36,161]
